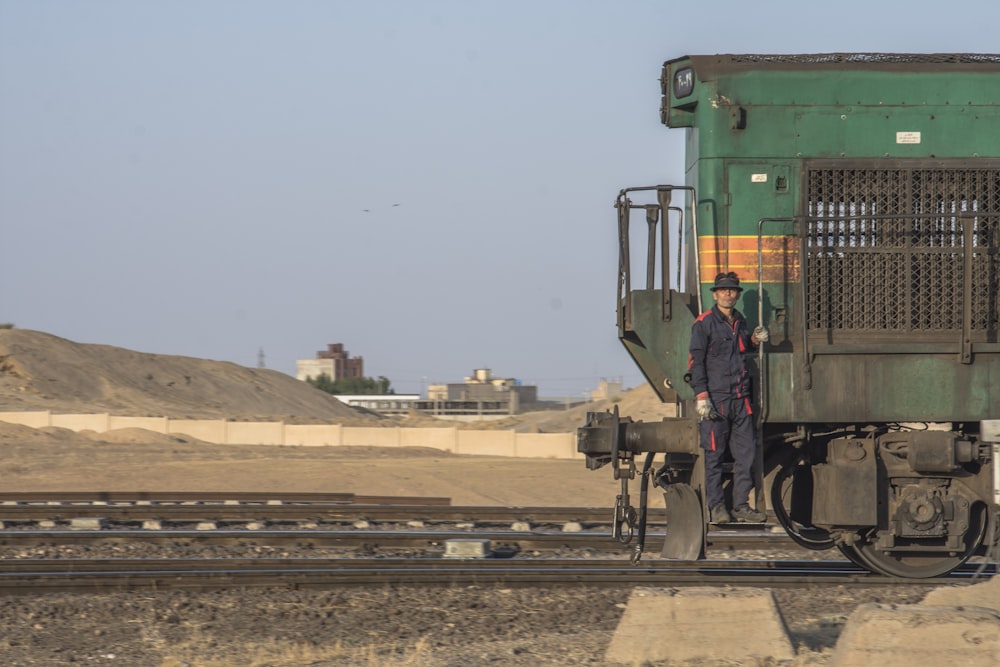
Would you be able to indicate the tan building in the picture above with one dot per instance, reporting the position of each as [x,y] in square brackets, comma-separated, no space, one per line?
[481,387]
[334,362]
[606,390]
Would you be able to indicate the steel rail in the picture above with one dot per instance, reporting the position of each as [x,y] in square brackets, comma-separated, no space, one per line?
[123,565]
[505,540]
[212,497]
[203,575]
[302,512]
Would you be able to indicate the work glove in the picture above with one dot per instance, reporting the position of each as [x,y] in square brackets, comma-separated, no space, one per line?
[705,409]
[762,334]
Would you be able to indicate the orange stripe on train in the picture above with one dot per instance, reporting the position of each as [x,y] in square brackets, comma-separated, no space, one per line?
[739,253]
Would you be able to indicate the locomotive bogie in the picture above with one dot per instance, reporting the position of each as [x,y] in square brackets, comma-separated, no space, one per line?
[929,482]
[845,485]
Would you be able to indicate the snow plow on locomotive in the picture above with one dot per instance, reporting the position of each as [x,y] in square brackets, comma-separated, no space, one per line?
[857,196]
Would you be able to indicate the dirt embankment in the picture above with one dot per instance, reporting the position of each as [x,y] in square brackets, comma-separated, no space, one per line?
[39,371]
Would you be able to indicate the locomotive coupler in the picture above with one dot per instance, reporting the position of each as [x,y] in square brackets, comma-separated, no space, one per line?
[609,438]
[625,515]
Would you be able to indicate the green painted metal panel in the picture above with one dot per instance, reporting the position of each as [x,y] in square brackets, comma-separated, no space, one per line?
[869,387]
[751,119]
[659,347]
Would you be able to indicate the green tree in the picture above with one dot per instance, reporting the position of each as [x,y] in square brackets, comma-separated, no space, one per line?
[363,385]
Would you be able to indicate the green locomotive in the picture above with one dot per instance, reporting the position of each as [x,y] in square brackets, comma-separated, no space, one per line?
[857,195]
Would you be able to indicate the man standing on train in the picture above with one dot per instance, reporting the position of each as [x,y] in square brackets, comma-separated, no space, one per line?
[721,383]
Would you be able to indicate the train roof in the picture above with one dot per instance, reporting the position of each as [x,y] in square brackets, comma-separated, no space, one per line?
[724,63]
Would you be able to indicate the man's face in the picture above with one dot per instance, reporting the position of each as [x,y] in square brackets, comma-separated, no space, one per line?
[726,297]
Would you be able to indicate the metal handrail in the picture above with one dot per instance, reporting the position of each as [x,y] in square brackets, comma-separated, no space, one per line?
[624,205]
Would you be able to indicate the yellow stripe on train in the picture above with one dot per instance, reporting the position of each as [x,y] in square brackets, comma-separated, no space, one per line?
[718,254]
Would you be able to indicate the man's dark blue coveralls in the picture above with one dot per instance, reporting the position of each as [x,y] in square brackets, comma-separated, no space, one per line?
[719,372]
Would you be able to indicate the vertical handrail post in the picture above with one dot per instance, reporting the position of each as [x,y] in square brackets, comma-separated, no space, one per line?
[968,243]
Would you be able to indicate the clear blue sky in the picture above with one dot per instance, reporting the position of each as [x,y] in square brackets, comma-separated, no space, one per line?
[192,177]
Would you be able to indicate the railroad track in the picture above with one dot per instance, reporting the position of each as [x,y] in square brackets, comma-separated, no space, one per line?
[504,540]
[320,520]
[326,520]
[211,497]
[341,523]
[334,513]
[25,508]
[214,496]
[103,575]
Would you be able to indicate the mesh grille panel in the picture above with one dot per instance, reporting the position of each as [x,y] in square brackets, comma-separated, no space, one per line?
[885,250]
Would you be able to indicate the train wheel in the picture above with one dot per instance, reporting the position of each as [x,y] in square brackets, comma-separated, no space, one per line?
[860,558]
[807,537]
[921,565]
[851,554]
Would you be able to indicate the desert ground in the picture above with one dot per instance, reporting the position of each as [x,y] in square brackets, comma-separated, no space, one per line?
[39,371]
[391,625]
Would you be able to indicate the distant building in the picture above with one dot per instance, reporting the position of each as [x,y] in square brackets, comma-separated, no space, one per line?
[504,395]
[334,361]
[386,404]
[606,390]
[481,397]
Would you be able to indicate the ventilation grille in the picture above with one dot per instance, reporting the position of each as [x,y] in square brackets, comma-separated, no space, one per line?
[886,251]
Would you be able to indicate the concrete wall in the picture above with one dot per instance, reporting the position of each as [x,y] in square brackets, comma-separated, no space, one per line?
[371,437]
[489,443]
[255,433]
[445,439]
[158,424]
[209,430]
[313,434]
[218,431]
[98,423]
[31,419]
[545,445]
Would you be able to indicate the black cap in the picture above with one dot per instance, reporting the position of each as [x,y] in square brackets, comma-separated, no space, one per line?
[727,281]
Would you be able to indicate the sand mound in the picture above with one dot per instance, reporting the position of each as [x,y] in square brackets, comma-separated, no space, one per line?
[39,371]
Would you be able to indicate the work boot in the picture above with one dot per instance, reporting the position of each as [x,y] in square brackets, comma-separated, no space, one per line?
[744,514]
[720,514]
